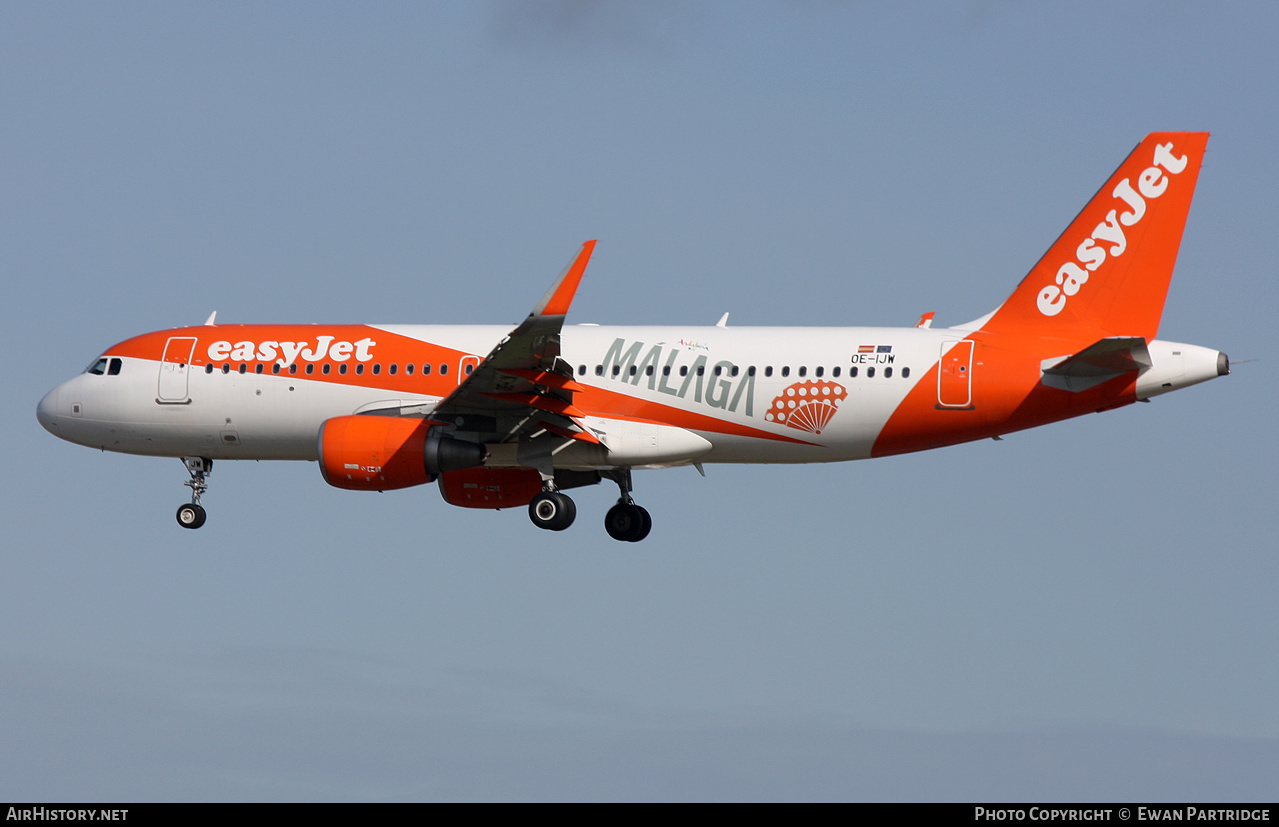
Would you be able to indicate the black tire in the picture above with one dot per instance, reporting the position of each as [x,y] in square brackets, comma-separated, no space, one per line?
[646,524]
[625,522]
[191,515]
[552,511]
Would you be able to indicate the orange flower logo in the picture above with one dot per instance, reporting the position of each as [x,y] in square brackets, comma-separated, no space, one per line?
[807,406]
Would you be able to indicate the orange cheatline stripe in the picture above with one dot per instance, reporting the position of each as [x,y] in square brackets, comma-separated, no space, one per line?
[387,349]
[613,405]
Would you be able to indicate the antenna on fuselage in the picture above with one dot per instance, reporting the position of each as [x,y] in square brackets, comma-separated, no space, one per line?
[723,321]
[212,320]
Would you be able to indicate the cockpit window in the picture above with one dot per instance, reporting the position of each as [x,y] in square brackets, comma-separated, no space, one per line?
[114,369]
[99,367]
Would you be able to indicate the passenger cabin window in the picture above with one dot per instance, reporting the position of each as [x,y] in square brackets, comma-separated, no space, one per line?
[786,371]
[905,373]
[426,370]
[325,370]
[870,372]
[342,368]
[243,368]
[768,371]
[444,369]
[257,368]
[818,372]
[803,371]
[835,371]
[208,368]
[469,368]
[275,368]
[377,368]
[409,368]
[359,370]
[888,373]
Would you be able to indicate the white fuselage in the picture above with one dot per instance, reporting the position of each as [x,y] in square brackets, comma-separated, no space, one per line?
[714,376]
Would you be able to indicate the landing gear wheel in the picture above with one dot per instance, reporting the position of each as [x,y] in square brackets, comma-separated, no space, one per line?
[628,522]
[647,524]
[552,511]
[191,515]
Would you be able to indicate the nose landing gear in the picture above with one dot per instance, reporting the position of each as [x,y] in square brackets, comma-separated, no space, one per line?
[192,514]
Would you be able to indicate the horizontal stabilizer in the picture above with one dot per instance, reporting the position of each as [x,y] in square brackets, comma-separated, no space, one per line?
[1096,363]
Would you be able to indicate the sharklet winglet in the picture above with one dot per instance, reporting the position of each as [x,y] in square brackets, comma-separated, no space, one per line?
[557,300]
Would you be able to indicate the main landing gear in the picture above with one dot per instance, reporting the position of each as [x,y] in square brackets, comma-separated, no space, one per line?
[192,515]
[626,521]
[552,510]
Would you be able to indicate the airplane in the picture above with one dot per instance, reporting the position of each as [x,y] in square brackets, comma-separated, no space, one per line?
[506,418]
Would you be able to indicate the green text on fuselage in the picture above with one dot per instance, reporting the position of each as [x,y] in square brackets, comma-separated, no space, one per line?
[714,385]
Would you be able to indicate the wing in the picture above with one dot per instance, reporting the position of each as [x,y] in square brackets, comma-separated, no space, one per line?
[523,391]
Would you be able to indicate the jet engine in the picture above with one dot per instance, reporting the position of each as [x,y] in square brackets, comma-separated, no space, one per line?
[490,487]
[382,453]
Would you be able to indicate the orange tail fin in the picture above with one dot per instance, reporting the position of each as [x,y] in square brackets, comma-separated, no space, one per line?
[1108,273]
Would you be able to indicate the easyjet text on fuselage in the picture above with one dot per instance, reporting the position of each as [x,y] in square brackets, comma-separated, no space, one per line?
[285,353]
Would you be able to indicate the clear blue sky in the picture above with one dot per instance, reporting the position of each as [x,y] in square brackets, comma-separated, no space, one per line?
[1082,611]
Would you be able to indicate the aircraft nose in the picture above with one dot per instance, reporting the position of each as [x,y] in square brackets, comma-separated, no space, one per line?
[47,411]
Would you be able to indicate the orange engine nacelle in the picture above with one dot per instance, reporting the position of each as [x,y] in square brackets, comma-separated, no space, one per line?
[381,453]
[490,487]
[373,453]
